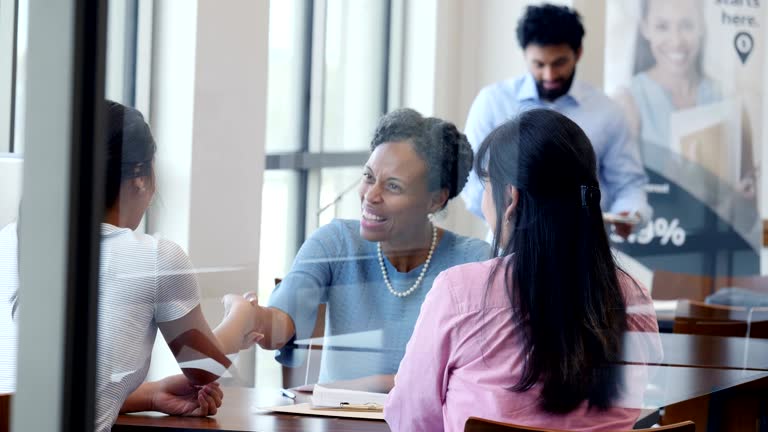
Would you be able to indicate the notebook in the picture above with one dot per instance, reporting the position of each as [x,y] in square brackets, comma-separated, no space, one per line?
[351,400]
[333,402]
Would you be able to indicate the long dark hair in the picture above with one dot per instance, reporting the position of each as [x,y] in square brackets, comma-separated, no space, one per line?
[130,152]
[560,273]
[644,58]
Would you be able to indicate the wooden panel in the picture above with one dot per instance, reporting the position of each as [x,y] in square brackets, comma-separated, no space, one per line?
[765,232]
[5,412]
[672,286]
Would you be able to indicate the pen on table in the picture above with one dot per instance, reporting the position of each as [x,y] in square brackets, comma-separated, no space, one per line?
[287,393]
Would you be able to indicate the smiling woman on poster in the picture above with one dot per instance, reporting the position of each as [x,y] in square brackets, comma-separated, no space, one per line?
[693,140]
[669,77]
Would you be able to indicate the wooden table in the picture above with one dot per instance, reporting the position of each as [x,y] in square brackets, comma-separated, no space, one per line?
[712,352]
[238,413]
[668,385]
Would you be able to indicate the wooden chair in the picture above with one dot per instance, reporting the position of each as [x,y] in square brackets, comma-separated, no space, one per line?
[475,424]
[5,412]
[297,376]
[693,317]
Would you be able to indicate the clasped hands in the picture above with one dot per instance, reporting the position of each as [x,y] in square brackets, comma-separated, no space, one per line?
[244,313]
[175,395]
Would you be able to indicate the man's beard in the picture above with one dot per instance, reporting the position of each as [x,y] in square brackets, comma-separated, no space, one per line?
[551,95]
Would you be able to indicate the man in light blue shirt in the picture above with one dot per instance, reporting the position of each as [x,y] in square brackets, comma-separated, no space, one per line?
[550,37]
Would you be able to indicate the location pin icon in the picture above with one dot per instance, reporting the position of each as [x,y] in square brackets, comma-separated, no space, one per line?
[744,45]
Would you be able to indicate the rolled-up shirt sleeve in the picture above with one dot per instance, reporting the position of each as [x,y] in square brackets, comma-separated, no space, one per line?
[304,288]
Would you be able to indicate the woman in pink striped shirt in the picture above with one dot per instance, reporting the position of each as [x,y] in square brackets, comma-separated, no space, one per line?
[533,336]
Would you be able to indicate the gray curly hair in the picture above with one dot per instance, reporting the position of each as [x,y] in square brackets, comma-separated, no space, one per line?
[444,149]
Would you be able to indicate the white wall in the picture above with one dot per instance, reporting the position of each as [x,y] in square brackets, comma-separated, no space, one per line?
[209,118]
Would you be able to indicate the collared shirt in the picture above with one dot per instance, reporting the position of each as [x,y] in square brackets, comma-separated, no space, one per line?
[620,170]
[466,354]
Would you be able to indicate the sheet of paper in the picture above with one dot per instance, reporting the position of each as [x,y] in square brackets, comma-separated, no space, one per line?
[333,397]
[306,409]
[632,219]
[665,305]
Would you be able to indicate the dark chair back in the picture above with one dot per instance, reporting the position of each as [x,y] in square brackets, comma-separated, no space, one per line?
[475,424]
[5,412]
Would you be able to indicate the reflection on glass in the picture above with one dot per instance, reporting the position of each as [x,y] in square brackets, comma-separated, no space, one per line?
[279,230]
[287,58]
[148,284]
[145,284]
[279,234]
[10,195]
[339,197]
[355,53]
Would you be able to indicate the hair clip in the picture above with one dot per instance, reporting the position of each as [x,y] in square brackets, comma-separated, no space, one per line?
[588,194]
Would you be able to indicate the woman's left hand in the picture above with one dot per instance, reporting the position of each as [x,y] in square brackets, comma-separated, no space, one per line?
[175,395]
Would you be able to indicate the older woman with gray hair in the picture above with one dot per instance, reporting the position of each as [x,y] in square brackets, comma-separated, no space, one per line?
[374,273]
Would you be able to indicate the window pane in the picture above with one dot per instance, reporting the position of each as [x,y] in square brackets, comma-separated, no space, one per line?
[279,227]
[338,194]
[355,72]
[286,105]
[279,234]
[21,75]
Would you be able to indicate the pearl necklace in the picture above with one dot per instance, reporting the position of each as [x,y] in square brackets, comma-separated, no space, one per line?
[418,279]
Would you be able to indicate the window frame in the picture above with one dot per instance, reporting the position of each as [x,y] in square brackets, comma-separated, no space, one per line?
[308,163]
[9,19]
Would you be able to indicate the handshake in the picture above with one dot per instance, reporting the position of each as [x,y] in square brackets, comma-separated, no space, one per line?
[244,313]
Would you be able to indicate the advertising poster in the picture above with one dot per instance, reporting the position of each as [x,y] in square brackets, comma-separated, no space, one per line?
[688,75]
